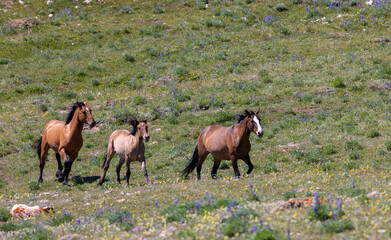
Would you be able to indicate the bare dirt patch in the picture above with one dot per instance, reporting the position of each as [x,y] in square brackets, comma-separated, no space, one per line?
[23,23]
[307,110]
[7,3]
[337,35]
[8,152]
[97,127]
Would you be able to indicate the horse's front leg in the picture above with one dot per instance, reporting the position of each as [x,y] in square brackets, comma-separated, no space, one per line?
[144,167]
[216,166]
[127,170]
[120,163]
[247,160]
[68,166]
[234,162]
[63,156]
[59,171]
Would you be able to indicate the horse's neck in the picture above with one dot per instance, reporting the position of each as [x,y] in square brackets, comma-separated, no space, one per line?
[242,130]
[75,126]
[138,138]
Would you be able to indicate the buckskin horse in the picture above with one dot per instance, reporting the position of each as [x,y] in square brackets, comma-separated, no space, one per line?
[65,138]
[129,146]
[226,143]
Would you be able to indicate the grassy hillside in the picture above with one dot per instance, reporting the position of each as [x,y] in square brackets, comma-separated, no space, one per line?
[319,71]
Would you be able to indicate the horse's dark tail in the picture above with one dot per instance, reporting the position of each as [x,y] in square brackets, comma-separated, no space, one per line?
[37,146]
[104,162]
[192,163]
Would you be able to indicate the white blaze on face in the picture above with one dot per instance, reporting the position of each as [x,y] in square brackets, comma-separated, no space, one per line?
[87,109]
[258,124]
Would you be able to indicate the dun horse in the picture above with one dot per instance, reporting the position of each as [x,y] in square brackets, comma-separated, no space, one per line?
[226,143]
[65,138]
[129,146]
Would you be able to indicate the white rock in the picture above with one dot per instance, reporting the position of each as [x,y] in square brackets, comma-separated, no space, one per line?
[374,194]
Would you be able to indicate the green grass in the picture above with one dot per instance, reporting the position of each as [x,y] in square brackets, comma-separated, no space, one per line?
[321,79]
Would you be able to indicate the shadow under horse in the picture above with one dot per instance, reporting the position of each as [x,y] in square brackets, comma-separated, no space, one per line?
[65,138]
[226,143]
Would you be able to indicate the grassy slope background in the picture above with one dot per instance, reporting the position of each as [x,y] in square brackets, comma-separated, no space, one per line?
[319,71]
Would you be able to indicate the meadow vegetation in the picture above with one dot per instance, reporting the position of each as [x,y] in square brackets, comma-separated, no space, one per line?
[319,71]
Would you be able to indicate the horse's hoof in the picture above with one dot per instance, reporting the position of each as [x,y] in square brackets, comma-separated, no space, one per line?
[40,180]
[65,183]
[58,173]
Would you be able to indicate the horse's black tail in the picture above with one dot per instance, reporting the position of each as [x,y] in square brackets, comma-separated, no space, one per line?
[37,146]
[192,163]
[104,162]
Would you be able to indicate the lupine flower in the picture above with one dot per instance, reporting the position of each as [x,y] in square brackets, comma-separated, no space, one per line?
[197,205]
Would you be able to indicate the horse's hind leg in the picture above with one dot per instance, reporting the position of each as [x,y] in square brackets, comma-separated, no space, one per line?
[120,163]
[216,166]
[59,171]
[201,158]
[247,160]
[42,159]
[106,164]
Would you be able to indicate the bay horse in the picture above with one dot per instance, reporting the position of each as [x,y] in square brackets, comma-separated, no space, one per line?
[65,138]
[129,146]
[226,143]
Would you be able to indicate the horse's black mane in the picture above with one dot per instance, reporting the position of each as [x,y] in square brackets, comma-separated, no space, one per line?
[241,117]
[72,112]
[134,124]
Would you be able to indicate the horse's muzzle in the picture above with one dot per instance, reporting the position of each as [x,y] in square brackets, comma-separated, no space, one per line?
[93,124]
[146,138]
[260,134]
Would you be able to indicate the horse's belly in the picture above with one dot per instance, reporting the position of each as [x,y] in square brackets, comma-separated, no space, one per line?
[222,153]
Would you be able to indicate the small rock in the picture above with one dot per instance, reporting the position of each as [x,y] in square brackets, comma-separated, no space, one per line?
[374,194]
[381,231]
[44,194]
[121,200]
[107,192]
[69,237]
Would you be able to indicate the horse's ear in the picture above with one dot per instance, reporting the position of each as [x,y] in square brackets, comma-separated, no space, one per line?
[85,103]
[145,119]
[258,111]
[79,104]
[131,121]
[247,112]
